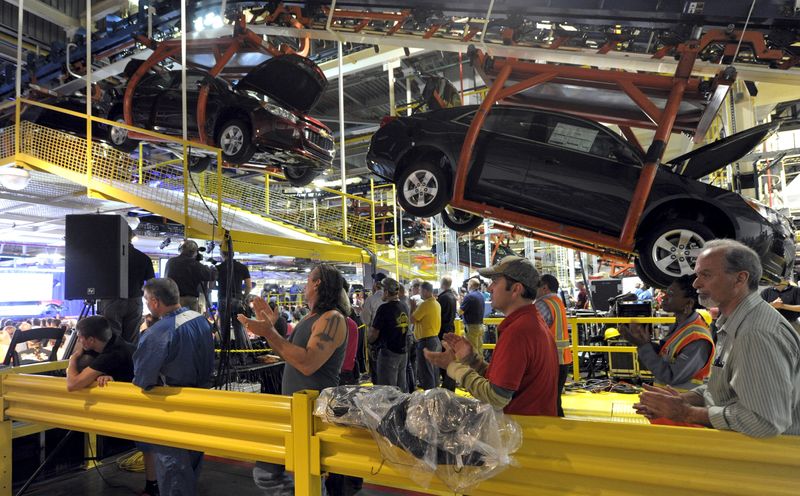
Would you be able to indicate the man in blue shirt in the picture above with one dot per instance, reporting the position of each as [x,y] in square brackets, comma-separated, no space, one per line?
[178,350]
[472,312]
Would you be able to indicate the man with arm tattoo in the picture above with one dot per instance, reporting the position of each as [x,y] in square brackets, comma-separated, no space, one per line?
[314,353]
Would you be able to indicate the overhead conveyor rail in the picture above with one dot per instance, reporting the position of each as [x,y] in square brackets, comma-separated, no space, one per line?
[557,456]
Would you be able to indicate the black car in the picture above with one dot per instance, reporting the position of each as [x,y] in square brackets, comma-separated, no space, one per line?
[413,231]
[579,173]
[471,253]
[261,119]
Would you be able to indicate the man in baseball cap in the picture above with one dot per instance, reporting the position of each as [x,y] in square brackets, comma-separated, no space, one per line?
[387,333]
[522,377]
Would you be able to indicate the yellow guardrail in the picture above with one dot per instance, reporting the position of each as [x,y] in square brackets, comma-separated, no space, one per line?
[558,456]
[573,323]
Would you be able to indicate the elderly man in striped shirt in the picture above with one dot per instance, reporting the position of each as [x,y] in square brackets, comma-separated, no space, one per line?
[754,387]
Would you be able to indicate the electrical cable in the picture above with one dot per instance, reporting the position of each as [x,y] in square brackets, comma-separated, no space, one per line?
[97,468]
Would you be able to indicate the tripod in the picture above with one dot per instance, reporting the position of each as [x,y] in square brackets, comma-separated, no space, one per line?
[89,308]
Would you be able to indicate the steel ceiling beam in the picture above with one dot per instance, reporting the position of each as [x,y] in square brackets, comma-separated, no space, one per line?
[365,59]
[104,8]
[48,13]
[611,60]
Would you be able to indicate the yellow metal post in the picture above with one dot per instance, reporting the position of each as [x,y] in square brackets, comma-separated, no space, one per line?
[576,366]
[5,446]
[141,148]
[306,447]
[266,194]
[5,457]
[372,212]
[90,450]
[396,251]
[219,190]
[185,188]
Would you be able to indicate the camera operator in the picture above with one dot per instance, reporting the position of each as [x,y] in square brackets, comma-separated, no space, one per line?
[236,294]
[189,274]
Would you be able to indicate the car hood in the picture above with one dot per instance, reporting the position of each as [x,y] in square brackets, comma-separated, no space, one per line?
[294,81]
[707,159]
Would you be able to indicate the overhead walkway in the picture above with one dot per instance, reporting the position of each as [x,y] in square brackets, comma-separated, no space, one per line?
[261,218]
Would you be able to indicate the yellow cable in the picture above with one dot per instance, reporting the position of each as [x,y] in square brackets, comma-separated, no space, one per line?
[131,463]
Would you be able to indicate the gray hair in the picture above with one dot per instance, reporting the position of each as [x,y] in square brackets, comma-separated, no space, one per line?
[447,281]
[738,258]
[164,290]
[189,248]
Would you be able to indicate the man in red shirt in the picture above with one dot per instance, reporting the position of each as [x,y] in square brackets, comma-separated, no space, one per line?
[522,377]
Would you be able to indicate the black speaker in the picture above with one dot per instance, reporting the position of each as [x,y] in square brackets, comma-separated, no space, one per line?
[602,290]
[96,257]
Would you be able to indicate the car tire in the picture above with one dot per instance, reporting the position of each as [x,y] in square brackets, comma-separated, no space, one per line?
[236,140]
[198,164]
[423,189]
[460,221]
[410,242]
[670,251]
[118,137]
[300,176]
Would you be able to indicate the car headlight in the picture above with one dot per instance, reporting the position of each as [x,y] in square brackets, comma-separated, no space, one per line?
[280,112]
[763,210]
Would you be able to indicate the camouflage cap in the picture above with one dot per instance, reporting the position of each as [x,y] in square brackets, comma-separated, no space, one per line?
[517,268]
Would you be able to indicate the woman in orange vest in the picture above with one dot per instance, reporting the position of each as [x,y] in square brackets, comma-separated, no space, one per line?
[554,313]
[683,358]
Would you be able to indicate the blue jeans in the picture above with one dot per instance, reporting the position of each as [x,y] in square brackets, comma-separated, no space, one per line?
[177,470]
[275,480]
[427,373]
[391,369]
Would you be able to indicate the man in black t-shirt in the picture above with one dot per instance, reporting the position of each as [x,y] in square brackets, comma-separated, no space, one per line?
[125,314]
[113,356]
[785,298]
[388,333]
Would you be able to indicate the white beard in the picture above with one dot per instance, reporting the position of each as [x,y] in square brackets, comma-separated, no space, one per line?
[707,302]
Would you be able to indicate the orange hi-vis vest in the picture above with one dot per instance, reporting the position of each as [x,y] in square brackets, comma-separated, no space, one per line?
[695,330]
[559,328]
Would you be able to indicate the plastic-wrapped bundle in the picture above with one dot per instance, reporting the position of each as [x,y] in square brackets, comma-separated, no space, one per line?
[336,404]
[460,440]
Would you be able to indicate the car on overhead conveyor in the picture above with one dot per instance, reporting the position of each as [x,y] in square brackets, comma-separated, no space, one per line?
[471,253]
[558,167]
[261,119]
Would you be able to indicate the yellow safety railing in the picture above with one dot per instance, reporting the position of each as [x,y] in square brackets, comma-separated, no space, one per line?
[558,456]
[573,323]
[204,202]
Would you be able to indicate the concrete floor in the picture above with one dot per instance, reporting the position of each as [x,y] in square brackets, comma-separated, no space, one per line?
[218,477]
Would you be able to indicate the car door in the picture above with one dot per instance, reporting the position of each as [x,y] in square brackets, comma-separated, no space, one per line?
[501,157]
[146,96]
[169,116]
[581,173]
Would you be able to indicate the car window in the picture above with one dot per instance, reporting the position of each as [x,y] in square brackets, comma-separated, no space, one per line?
[581,136]
[158,81]
[513,122]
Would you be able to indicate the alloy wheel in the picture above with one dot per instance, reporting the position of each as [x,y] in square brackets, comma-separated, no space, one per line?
[232,140]
[420,188]
[675,251]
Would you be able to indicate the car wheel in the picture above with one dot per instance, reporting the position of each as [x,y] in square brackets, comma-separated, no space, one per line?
[236,141]
[198,164]
[459,220]
[423,189]
[671,251]
[118,136]
[300,176]
[410,242]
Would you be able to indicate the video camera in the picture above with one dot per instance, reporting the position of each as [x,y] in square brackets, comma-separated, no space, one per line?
[627,305]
